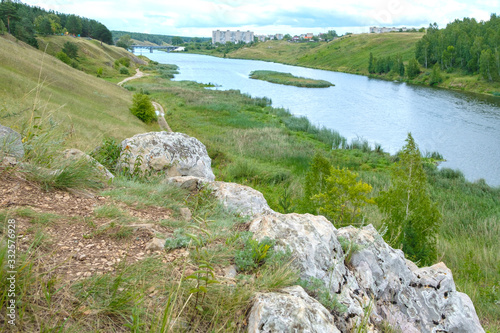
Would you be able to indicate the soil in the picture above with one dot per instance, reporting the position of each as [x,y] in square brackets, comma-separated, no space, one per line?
[76,244]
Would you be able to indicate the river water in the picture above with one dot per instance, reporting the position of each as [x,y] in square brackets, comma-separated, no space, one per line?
[464,128]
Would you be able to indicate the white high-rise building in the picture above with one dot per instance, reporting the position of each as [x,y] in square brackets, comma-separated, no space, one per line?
[232,36]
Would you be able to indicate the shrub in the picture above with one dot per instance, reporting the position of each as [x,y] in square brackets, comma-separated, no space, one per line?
[122,61]
[254,254]
[63,57]
[124,70]
[108,153]
[71,49]
[142,108]
[99,72]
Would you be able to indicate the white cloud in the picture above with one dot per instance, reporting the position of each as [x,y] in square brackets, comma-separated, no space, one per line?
[200,17]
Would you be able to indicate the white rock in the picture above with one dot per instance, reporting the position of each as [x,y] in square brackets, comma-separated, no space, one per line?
[175,154]
[415,300]
[10,142]
[74,153]
[156,244]
[189,183]
[290,310]
[241,199]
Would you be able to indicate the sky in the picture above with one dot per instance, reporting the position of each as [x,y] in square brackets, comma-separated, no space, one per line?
[200,17]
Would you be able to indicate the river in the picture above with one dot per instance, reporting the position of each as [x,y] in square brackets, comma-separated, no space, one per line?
[464,128]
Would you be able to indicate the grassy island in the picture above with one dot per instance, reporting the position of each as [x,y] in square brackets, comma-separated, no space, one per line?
[289,79]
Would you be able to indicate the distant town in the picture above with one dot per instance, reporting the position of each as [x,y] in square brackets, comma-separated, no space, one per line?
[222,37]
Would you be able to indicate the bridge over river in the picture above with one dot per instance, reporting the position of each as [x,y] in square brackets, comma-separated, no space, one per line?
[151,48]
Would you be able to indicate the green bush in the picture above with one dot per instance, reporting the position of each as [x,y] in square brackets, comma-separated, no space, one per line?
[142,108]
[99,72]
[108,153]
[254,254]
[63,57]
[122,61]
[316,288]
[71,49]
[124,70]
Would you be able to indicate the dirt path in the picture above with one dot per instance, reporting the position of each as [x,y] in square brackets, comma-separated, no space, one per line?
[161,120]
[137,75]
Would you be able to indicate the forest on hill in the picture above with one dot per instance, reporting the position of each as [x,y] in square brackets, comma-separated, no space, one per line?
[25,22]
[464,44]
[158,39]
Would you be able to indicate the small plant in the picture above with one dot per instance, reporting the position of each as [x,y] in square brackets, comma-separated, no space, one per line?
[108,153]
[179,240]
[317,289]
[124,70]
[285,201]
[99,72]
[254,254]
[204,276]
[349,247]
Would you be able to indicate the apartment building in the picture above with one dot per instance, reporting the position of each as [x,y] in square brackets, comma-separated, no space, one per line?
[232,36]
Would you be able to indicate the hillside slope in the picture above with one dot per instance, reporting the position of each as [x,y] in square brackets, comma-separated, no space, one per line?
[347,54]
[86,106]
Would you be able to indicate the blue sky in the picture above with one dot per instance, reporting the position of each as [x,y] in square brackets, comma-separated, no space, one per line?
[200,17]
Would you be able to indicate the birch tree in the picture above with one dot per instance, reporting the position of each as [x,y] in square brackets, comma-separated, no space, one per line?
[412,219]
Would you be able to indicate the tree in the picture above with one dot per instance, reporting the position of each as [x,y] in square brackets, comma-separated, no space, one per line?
[487,65]
[9,11]
[43,25]
[3,28]
[177,40]
[142,107]
[342,197]
[412,219]
[124,41]
[412,69]
[74,25]
[371,64]
[102,33]
[71,49]
[435,75]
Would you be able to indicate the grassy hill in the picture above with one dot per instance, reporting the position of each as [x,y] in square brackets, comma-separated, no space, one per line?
[86,106]
[347,54]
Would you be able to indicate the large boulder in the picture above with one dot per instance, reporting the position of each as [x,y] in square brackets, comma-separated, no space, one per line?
[318,255]
[175,154]
[74,153]
[10,143]
[290,310]
[241,199]
[409,298]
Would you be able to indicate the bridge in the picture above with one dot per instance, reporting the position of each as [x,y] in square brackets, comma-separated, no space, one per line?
[151,48]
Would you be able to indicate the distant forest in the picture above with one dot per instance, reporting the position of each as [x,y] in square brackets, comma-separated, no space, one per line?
[159,39]
[464,44]
[25,22]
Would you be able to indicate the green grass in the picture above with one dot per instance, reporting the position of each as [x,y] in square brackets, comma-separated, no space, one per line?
[289,79]
[85,107]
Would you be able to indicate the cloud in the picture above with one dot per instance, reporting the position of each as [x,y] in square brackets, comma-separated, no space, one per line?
[201,16]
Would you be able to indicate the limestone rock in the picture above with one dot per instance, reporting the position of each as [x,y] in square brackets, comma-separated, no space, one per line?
[74,153]
[290,310]
[156,244]
[10,142]
[175,154]
[189,183]
[185,213]
[415,300]
[241,199]
[318,254]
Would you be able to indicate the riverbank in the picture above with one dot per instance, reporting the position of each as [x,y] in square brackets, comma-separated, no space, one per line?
[350,54]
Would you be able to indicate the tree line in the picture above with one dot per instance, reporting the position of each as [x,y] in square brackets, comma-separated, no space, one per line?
[465,44]
[158,39]
[25,22]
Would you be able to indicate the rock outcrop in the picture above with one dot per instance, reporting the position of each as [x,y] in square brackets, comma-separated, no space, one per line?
[10,143]
[241,199]
[74,153]
[402,295]
[175,154]
[290,310]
